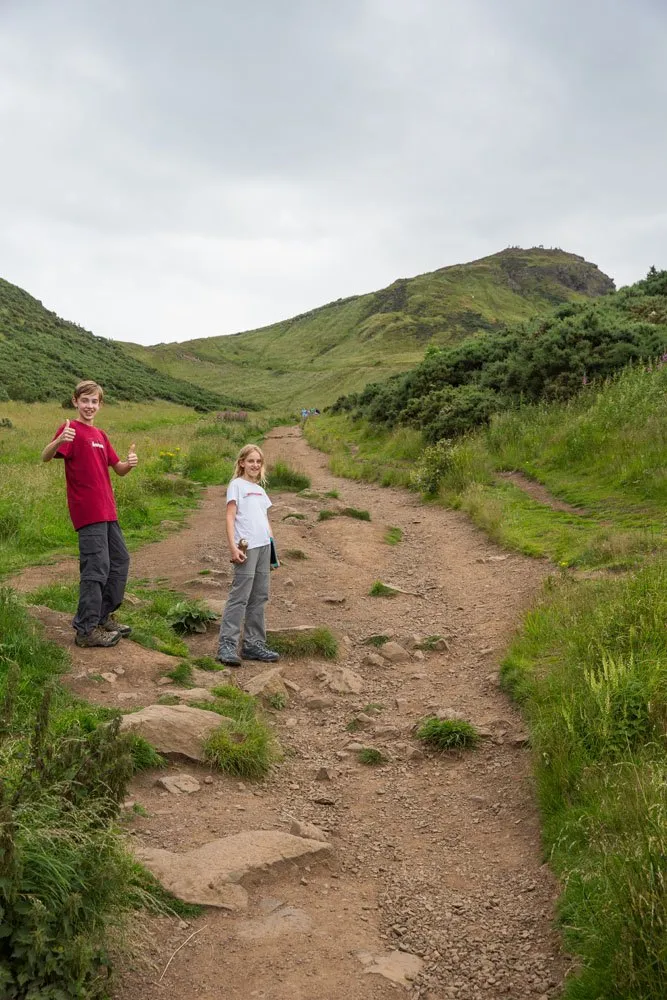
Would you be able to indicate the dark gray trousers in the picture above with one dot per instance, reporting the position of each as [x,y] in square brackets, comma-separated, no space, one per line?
[104,563]
[247,599]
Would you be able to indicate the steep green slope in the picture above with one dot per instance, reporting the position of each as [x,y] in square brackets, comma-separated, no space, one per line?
[43,357]
[310,359]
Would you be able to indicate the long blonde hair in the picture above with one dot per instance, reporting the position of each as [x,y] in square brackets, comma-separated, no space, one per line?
[241,457]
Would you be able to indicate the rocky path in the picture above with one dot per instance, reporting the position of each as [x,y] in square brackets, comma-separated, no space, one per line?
[432,885]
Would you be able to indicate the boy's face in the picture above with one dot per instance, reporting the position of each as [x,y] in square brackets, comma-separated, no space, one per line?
[252,466]
[87,406]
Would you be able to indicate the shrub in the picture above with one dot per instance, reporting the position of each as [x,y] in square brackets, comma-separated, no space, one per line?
[371,757]
[393,536]
[380,589]
[182,674]
[296,554]
[447,734]
[242,748]
[186,617]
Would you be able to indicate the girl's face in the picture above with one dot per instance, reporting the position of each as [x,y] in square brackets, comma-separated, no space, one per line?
[252,466]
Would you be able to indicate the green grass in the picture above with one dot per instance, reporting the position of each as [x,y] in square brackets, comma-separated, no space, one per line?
[428,644]
[182,674]
[296,554]
[206,663]
[354,512]
[590,669]
[243,749]
[294,516]
[393,536]
[380,589]
[327,515]
[144,756]
[282,476]
[371,757]
[316,642]
[309,360]
[447,734]
[376,640]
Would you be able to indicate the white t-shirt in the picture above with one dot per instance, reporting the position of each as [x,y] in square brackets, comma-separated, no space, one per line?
[252,504]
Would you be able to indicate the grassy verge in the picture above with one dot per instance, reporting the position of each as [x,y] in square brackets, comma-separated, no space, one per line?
[66,880]
[604,452]
[178,449]
[590,669]
[158,621]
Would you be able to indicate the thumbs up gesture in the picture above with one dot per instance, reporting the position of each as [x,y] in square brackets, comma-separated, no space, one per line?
[132,459]
[68,433]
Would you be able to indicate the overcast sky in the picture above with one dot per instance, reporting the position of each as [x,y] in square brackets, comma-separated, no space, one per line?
[172,170]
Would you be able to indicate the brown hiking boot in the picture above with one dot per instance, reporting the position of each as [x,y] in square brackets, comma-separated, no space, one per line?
[111,625]
[98,637]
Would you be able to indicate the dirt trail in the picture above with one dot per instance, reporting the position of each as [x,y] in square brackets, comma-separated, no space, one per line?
[437,857]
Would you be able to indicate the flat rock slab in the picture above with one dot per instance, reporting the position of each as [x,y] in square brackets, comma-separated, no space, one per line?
[209,875]
[342,680]
[267,683]
[177,729]
[394,653]
[177,783]
[286,920]
[397,966]
[193,694]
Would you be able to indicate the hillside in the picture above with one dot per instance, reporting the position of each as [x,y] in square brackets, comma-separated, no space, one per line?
[311,359]
[42,357]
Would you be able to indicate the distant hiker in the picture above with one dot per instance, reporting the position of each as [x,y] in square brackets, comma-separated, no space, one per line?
[249,539]
[103,557]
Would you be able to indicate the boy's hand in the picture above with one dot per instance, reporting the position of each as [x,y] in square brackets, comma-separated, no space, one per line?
[132,459]
[238,556]
[67,434]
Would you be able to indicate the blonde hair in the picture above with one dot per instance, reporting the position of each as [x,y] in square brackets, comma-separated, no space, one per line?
[86,388]
[241,457]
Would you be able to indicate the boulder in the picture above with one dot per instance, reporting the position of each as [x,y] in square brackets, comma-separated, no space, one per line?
[210,875]
[175,729]
[394,653]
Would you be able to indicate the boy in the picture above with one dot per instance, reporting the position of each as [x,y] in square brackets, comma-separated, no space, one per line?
[103,557]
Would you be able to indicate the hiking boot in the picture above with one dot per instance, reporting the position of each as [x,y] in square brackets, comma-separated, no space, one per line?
[98,637]
[227,654]
[259,651]
[111,625]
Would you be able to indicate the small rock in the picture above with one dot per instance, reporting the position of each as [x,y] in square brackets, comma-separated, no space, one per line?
[417,677]
[319,702]
[177,783]
[342,680]
[323,800]
[394,653]
[164,681]
[388,732]
[194,694]
[363,720]
[288,582]
[334,599]
[119,671]
[354,746]
[291,686]
[130,599]
[413,641]
[324,774]
[208,780]
[441,645]
[373,660]
[307,830]
[520,740]
[415,754]
[418,655]
[109,676]
[267,683]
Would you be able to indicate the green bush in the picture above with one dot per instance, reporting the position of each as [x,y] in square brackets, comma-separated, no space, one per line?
[314,642]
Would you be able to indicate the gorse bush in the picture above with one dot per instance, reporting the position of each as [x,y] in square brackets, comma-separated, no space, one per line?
[459,388]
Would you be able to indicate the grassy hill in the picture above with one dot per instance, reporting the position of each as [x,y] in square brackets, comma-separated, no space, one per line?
[311,359]
[42,357]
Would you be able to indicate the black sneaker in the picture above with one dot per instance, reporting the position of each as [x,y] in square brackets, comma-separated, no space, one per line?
[259,651]
[227,654]
[111,625]
[98,637]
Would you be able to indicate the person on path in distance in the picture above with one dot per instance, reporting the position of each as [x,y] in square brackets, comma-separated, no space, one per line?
[249,539]
[103,557]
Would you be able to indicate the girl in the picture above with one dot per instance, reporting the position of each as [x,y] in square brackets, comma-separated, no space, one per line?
[247,521]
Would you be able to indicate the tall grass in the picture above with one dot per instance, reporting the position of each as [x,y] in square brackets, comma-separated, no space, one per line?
[590,669]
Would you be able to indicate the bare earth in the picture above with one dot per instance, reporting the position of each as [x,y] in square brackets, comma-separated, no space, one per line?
[433,856]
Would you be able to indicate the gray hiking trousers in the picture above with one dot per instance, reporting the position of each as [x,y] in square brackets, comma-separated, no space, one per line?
[247,599]
[104,563]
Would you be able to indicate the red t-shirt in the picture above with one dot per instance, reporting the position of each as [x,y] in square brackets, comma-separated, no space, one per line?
[87,459]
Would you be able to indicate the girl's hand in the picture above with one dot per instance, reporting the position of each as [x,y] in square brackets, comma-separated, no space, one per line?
[238,556]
